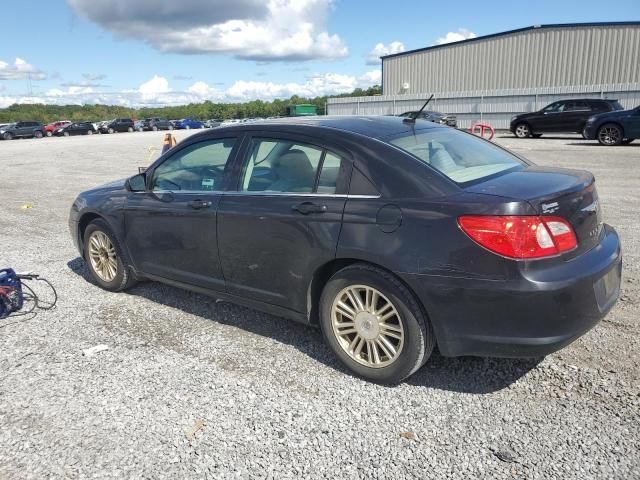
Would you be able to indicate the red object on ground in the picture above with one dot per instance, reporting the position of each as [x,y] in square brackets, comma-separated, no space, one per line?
[482,127]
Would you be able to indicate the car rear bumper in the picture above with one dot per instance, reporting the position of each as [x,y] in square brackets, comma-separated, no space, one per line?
[543,310]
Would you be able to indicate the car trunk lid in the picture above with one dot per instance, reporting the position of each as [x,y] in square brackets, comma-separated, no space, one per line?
[570,194]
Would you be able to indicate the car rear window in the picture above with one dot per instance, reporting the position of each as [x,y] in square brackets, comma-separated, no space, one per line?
[460,156]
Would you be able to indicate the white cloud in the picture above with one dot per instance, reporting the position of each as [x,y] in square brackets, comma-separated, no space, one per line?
[20,70]
[286,30]
[380,50]
[158,92]
[461,34]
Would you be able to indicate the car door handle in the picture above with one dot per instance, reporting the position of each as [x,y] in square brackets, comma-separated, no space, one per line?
[198,204]
[306,208]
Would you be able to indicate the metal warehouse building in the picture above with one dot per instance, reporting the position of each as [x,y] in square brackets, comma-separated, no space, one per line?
[496,76]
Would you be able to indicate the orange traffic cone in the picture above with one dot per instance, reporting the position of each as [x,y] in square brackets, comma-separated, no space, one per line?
[169,141]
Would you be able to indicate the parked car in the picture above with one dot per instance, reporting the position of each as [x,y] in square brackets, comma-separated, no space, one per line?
[214,122]
[389,235]
[22,130]
[436,117]
[565,116]
[614,128]
[76,128]
[117,125]
[52,127]
[154,124]
[187,123]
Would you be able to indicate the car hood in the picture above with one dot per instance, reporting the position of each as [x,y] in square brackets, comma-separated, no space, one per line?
[109,187]
[613,114]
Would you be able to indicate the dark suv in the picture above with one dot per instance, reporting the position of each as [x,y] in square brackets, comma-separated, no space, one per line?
[117,125]
[565,116]
[22,129]
[154,124]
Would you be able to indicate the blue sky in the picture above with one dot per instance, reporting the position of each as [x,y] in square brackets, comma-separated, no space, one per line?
[148,52]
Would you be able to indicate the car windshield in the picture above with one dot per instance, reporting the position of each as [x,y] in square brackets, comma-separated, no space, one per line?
[460,156]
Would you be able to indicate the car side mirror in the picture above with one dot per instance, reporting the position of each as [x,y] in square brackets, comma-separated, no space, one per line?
[137,183]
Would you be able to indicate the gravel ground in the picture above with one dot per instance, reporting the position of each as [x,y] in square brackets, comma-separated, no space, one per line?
[191,387]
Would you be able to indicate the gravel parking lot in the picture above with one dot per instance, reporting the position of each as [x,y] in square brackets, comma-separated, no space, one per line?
[194,387]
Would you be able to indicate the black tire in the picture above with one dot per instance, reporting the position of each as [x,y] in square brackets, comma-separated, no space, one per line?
[89,132]
[123,278]
[419,339]
[154,128]
[38,134]
[522,130]
[7,136]
[610,135]
[49,134]
[110,130]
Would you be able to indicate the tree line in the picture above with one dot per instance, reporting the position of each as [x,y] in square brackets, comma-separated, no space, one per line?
[45,113]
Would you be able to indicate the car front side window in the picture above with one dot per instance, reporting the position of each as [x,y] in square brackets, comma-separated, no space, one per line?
[197,168]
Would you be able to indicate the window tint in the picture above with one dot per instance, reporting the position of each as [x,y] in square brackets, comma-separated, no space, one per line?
[555,107]
[460,156]
[199,167]
[281,166]
[329,173]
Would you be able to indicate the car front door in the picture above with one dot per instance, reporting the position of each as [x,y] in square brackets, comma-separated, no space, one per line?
[283,219]
[551,118]
[170,228]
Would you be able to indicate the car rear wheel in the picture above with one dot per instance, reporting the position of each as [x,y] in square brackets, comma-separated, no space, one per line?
[374,324]
[7,136]
[89,132]
[522,130]
[610,135]
[140,129]
[105,258]
[154,128]
[38,134]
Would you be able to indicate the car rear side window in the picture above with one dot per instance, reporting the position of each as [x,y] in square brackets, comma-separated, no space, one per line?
[460,156]
[285,166]
[198,167]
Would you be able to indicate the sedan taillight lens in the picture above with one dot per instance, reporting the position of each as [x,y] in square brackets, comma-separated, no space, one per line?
[520,236]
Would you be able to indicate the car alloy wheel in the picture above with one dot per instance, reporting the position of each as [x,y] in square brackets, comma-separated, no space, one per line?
[610,135]
[111,130]
[522,130]
[102,255]
[7,136]
[49,134]
[89,132]
[37,134]
[130,129]
[367,326]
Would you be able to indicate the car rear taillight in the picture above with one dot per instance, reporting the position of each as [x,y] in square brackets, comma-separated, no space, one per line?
[520,236]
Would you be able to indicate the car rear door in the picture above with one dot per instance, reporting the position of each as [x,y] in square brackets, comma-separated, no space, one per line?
[170,229]
[576,114]
[283,219]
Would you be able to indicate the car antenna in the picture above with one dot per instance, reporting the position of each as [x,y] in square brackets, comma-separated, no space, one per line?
[415,115]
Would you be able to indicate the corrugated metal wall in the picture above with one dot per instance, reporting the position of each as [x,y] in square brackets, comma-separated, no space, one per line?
[493,106]
[544,57]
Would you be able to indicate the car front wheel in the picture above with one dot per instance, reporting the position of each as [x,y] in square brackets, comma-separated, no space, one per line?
[49,134]
[374,324]
[38,134]
[105,258]
[610,135]
[522,130]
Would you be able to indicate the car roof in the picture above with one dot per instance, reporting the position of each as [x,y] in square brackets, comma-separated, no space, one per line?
[378,126]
